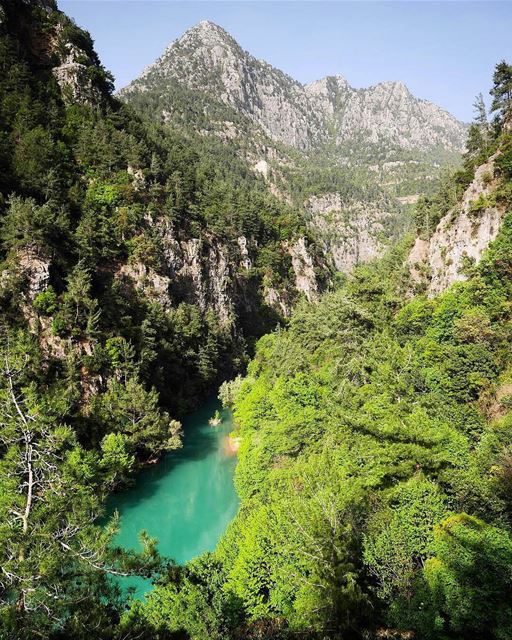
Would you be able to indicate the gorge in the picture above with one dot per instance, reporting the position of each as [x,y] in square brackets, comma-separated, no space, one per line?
[335,263]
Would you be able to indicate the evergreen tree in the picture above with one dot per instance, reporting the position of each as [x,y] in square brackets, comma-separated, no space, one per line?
[502,91]
[53,557]
[479,133]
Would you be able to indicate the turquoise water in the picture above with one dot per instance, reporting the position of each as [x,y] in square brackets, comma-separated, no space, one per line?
[185,501]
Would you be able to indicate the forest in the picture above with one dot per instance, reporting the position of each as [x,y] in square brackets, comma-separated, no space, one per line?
[375,467]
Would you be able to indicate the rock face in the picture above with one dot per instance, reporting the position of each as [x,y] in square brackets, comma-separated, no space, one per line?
[147,282]
[207,59]
[304,270]
[462,235]
[75,84]
[36,269]
[197,270]
[210,274]
[349,232]
[386,112]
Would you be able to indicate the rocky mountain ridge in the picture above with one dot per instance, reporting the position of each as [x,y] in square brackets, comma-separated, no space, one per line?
[326,112]
[351,160]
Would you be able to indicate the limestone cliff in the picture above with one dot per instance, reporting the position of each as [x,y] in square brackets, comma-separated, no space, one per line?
[350,232]
[208,60]
[73,79]
[461,236]
[214,276]
[304,270]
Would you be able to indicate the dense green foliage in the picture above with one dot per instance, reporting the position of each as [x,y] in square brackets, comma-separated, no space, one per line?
[97,362]
[375,468]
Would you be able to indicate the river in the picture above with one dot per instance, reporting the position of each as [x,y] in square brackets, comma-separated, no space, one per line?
[186,500]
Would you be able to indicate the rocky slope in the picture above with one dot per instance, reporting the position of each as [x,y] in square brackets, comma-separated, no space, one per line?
[465,232]
[207,59]
[310,143]
[349,232]
[461,236]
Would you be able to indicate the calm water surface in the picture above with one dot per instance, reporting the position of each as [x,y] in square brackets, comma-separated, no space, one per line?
[185,501]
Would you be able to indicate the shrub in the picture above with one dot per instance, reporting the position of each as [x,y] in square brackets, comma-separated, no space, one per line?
[59,326]
[45,302]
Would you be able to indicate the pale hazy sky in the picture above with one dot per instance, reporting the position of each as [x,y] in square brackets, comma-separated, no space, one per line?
[444,51]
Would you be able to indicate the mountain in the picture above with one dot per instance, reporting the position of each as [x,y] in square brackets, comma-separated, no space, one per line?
[350,161]
[207,59]
[376,126]
[375,441]
[139,263]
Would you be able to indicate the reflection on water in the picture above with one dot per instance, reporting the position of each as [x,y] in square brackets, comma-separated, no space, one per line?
[187,500]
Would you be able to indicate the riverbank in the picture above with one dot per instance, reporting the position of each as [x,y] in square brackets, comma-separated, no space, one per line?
[233,444]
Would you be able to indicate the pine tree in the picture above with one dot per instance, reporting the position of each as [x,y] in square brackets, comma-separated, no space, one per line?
[480,111]
[51,493]
[502,91]
[479,131]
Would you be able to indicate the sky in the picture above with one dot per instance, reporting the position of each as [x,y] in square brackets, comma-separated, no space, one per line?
[445,52]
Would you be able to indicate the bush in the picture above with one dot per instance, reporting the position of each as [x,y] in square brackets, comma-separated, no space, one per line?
[60,326]
[45,302]
[480,204]
[487,178]
[228,391]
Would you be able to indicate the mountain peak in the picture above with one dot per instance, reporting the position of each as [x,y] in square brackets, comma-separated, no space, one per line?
[394,85]
[208,33]
[208,60]
[208,24]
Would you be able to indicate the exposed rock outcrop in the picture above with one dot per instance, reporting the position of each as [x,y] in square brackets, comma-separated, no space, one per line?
[349,232]
[145,280]
[73,78]
[36,269]
[207,272]
[461,236]
[32,267]
[201,272]
[245,262]
[276,299]
[73,73]
[304,270]
[207,59]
